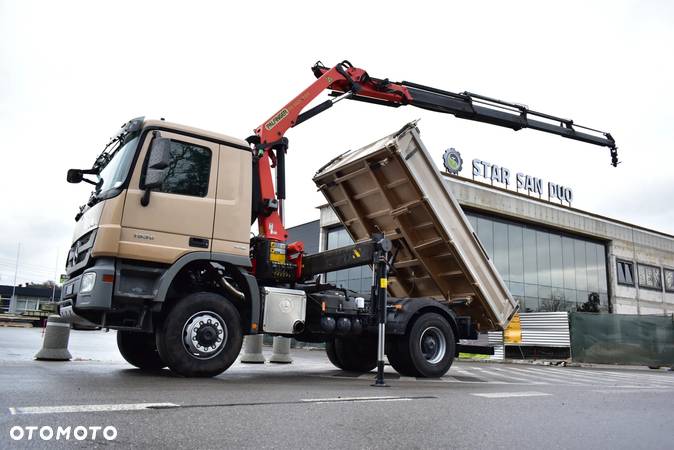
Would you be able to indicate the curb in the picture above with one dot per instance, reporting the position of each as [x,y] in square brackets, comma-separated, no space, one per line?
[563,363]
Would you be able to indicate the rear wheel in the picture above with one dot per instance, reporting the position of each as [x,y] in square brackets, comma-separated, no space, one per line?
[331,352]
[139,350]
[353,355]
[201,335]
[426,350]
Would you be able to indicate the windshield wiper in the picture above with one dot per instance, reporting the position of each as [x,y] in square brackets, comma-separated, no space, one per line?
[79,215]
[105,156]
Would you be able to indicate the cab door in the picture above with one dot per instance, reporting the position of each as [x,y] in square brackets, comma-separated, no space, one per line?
[231,233]
[179,216]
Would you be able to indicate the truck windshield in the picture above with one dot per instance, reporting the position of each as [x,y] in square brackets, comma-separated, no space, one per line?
[114,173]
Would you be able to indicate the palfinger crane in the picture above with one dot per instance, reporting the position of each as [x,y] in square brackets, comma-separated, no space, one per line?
[348,82]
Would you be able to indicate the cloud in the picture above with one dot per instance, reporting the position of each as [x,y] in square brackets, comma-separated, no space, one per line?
[72,72]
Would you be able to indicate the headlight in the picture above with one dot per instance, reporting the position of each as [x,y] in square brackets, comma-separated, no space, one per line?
[88,281]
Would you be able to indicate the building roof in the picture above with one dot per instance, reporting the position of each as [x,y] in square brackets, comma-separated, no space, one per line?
[553,204]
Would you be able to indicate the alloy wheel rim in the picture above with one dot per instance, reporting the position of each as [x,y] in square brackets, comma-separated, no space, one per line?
[204,335]
[433,345]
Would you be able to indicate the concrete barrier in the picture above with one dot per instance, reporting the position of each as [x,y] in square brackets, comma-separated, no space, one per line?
[55,343]
[252,349]
[281,351]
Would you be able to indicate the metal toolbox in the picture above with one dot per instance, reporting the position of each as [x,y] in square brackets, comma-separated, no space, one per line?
[285,311]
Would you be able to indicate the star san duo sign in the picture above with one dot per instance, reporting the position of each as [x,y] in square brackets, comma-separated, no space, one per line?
[502,175]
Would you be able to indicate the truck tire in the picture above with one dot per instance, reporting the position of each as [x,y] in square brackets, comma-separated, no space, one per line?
[331,352]
[139,350]
[352,355]
[426,350]
[200,336]
[399,357]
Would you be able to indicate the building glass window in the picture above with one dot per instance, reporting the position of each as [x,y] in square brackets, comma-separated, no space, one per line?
[625,273]
[188,171]
[545,270]
[500,255]
[515,258]
[357,279]
[556,266]
[669,280]
[650,277]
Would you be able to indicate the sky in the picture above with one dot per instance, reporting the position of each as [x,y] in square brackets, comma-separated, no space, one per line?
[72,72]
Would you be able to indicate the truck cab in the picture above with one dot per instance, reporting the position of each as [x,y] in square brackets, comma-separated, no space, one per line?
[137,246]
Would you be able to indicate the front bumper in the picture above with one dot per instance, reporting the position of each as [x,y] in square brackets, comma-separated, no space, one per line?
[97,299]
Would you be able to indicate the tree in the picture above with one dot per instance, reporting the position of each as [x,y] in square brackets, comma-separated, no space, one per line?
[44,284]
[591,305]
[554,303]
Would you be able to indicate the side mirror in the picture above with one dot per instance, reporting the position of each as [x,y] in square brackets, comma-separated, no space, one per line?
[154,178]
[74,176]
[158,161]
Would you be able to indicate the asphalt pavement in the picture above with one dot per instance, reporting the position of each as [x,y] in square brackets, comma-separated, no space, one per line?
[310,404]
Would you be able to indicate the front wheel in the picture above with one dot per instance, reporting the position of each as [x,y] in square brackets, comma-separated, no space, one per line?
[201,335]
[139,350]
[426,350]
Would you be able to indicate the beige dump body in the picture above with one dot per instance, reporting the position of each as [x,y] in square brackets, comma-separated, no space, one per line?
[392,186]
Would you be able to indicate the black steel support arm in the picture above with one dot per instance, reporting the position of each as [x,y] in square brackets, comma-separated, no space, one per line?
[496,112]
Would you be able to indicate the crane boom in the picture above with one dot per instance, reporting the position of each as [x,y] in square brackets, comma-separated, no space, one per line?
[348,82]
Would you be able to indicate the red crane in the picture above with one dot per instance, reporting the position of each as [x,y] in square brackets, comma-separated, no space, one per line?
[346,81]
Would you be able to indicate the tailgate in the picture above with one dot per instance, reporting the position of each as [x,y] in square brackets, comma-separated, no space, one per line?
[392,186]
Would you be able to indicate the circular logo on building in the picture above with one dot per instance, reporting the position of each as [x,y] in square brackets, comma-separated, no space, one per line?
[452,161]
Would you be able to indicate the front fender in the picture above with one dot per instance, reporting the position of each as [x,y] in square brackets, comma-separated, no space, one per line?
[240,262]
[406,310]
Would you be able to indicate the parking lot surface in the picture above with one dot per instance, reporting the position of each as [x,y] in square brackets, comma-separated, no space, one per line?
[311,404]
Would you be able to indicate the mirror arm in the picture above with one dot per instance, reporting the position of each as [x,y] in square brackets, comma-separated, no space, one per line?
[145,199]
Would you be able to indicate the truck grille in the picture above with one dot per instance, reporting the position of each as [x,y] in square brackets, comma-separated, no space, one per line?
[79,253]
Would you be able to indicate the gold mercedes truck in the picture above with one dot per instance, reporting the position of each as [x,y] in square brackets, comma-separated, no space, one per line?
[162,250]
[162,253]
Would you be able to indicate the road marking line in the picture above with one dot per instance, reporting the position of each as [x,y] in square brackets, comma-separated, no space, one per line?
[547,375]
[575,372]
[365,401]
[634,379]
[510,394]
[88,408]
[343,399]
[500,374]
[57,324]
[386,398]
[632,390]
[641,376]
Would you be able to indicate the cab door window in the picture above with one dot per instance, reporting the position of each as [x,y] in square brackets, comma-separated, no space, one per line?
[188,170]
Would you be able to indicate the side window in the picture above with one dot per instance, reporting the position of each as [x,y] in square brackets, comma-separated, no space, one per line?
[669,280]
[650,277]
[625,273]
[188,170]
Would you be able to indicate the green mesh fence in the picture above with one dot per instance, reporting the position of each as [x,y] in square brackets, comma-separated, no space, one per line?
[622,339]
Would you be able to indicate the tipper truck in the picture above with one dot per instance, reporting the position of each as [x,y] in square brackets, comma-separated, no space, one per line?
[162,251]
